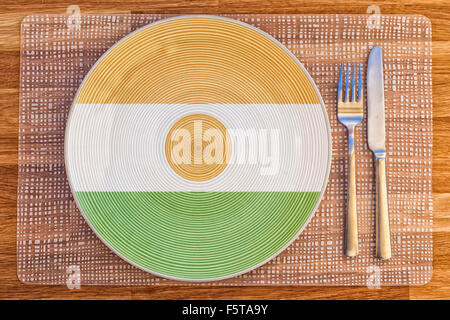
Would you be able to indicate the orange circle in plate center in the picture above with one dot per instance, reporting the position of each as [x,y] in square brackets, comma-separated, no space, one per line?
[198,147]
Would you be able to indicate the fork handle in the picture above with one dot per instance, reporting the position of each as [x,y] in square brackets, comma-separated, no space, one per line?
[382,211]
[351,224]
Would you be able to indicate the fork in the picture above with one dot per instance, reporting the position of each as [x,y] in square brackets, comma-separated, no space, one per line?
[350,113]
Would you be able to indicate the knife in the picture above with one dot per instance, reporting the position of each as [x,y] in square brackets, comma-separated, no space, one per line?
[376,141]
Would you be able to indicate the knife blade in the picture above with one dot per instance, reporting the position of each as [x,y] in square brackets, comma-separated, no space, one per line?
[376,141]
[375,102]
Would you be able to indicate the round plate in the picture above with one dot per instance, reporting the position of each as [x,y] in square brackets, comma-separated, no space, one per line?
[198,148]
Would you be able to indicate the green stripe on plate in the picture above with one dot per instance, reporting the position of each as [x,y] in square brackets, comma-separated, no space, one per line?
[197,235]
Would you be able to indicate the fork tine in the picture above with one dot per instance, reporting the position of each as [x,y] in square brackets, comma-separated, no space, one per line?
[340,85]
[353,83]
[346,95]
[359,82]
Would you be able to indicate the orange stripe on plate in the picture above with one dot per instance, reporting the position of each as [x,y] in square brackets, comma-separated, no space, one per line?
[197,61]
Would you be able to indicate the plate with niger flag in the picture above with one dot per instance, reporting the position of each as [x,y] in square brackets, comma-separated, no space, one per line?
[198,148]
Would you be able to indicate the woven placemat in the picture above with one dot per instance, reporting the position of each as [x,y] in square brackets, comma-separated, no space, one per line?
[53,240]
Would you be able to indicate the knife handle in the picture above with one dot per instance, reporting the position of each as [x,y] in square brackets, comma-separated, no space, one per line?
[351,223]
[382,211]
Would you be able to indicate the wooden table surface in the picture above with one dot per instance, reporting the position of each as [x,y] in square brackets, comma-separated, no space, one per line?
[13,11]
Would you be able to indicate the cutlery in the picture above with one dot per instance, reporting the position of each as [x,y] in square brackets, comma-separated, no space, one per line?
[350,112]
[376,141]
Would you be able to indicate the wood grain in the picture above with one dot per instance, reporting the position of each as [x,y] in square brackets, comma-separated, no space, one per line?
[11,14]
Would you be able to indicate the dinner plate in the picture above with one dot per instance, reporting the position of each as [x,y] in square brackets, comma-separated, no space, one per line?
[197,148]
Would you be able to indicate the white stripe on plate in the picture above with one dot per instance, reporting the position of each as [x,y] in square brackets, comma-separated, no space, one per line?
[120,147]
